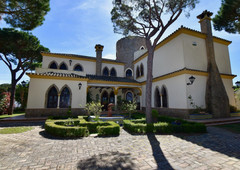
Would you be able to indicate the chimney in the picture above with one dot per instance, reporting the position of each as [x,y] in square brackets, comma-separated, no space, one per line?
[99,49]
[205,22]
[216,97]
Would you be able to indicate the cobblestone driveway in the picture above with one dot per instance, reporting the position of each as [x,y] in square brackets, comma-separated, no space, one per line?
[34,149]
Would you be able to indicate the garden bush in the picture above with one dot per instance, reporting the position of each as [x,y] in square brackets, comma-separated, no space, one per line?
[57,128]
[166,125]
[80,127]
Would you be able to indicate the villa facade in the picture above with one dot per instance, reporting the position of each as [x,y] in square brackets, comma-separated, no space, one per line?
[68,80]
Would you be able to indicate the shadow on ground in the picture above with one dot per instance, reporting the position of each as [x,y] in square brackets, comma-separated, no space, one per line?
[107,161]
[162,162]
[218,140]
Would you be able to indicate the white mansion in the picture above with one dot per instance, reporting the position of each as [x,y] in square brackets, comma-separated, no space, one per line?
[66,79]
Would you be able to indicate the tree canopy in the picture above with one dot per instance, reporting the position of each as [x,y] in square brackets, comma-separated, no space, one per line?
[228,17]
[148,19]
[20,51]
[24,14]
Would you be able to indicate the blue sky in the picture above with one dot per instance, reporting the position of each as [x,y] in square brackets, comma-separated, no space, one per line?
[76,26]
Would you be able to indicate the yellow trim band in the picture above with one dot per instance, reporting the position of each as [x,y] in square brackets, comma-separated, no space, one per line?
[186,71]
[113,82]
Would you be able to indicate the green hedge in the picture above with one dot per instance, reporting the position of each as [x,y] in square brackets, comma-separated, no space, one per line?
[166,126]
[80,127]
[57,128]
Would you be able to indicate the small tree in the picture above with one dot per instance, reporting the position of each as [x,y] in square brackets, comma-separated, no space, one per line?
[228,17]
[94,108]
[24,14]
[22,94]
[131,107]
[20,51]
[144,18]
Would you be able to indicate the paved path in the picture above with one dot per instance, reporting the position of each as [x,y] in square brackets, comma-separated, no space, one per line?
[218,149]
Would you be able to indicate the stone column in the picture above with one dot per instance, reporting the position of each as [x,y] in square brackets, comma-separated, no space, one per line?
[58,103]
[99,49]
[161,101]
[115,95]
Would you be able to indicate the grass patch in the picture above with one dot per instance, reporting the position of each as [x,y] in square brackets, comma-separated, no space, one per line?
[13,130]
[13,115]
[235,128]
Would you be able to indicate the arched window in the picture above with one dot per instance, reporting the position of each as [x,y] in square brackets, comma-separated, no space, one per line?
[113,72]
[112,98]
[164,97]
[129,73]
[53,65]
[105,71]
[52,99]
[78,68]
[65,98]
[137,72]
[157,98]
[141,70]
[63,66]
[129,96]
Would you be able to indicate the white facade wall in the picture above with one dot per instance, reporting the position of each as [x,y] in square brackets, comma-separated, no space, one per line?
[38,92]
[175,95]
[167,59]
[222,58]
[138,64]
[119,69]
[89,67]
[195,57]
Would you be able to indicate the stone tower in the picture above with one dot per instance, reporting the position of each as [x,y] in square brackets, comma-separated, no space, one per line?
[126,47]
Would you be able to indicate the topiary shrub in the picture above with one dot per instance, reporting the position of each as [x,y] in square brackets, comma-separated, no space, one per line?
[57,128]
[80,127]
[169,125]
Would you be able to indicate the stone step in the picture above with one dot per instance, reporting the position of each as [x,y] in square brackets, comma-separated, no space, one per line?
[222,123]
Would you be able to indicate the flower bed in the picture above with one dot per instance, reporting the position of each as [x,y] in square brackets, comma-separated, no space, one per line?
[80,127]
[165,125]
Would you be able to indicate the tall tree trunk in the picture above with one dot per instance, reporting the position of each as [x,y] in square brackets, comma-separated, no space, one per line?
[13,90]
[149,83]
[217,101]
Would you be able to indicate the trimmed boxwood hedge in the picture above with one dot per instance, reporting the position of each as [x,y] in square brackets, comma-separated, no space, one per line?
[165,125]
[80,127]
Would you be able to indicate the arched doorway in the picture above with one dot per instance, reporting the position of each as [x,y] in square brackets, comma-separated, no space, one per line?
[157,98]
[164,97]
[104,100]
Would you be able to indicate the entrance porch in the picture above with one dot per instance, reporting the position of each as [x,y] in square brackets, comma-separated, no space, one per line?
[107,94]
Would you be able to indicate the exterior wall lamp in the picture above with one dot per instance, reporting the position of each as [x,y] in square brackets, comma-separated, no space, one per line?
[70,62]
[191,79]
[79,85]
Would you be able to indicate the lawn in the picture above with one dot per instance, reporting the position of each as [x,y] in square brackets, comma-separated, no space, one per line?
[12,130]
[13,115]
[235,128]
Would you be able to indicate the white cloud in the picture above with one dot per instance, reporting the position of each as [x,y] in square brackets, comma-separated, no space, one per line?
[104,5]
[110,56]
